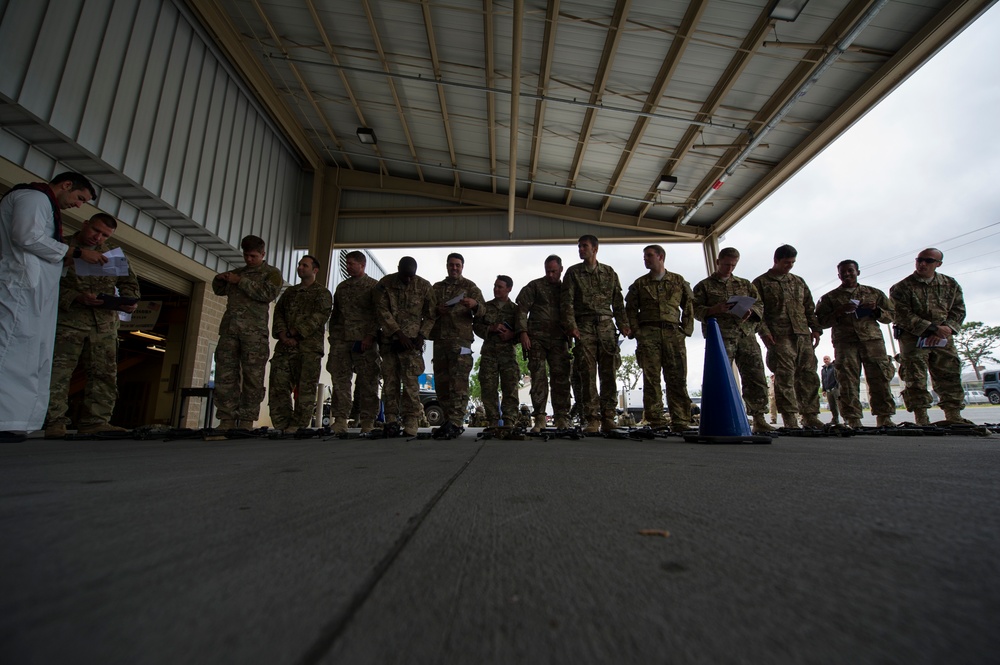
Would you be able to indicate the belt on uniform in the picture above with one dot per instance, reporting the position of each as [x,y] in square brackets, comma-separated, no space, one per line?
[659,324]
[593,320]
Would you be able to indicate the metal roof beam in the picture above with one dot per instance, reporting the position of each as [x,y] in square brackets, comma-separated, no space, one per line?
[491,110]
[544,72]
[425,7]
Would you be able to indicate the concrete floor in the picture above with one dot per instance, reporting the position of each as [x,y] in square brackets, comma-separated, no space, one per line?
[868,549]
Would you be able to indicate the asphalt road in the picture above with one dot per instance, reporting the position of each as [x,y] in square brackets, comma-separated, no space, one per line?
[809,550]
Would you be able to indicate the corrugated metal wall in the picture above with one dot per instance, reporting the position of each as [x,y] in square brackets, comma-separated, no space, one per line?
[132,94]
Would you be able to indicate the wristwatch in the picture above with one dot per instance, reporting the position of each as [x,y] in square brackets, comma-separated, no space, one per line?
[77,252]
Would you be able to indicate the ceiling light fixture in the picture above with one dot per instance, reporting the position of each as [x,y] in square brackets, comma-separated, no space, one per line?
[367,136]
[788,10]
[154,347]
[667,183]
[156,338]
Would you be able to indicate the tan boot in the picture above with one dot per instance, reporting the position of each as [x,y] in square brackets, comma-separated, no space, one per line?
[540,423]
[954,417]
[884,421]
[55,431]
[920,417]
[410,426]
[339,426]
[227,423]
[100,428]
[853,423]
[790,420]
[679,427]
[608,424]
[367,426]
[812,421]
[562,422]
[760,425]
[593,427]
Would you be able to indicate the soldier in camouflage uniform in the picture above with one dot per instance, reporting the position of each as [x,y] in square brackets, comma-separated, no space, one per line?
[591,294]
[854,311]
[405,308]
[739,335]
[298,322]
[501,327]
[660,306]
[87,332]
[540,300]
[930,309]
[241,356]
[353,346]
[790,331]
[453,332]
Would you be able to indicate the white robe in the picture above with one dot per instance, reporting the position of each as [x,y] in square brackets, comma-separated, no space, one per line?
[30,268]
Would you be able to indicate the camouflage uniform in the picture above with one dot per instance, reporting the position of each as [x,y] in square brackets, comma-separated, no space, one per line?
[589,298]
[410,308]
[241,356]
[498,362]
[738,336]
[89,334]
[353,319]
[790,317]
[451,333]
[305,310]
[920,305]
[540,301]
[662,312]
[856,343]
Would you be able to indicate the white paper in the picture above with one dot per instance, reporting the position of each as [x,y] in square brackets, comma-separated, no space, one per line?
[740,305]
[117,265]
[923,344]
[457,299]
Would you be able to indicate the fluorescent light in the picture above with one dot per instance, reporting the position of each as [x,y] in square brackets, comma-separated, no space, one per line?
[157,338]
[154,347]
[788,10]
[667,183]
[367,136]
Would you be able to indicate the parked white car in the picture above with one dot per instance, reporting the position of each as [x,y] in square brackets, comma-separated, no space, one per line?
[976,397]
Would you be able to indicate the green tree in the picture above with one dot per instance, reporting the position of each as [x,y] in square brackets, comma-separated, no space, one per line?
[974,343]
[629,372]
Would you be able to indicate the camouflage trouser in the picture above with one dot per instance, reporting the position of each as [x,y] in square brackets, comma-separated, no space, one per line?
[342,362]
[663,350]
[792,360]
[498,365]
[98,352]
[400,384]
[851,357]
[596,353]
[745,352]
[293,371]
[554,352]
[240,361]
[576,411]
[946,374]
[451,378]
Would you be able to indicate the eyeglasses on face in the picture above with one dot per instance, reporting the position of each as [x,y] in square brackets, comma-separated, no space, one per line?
[922,259]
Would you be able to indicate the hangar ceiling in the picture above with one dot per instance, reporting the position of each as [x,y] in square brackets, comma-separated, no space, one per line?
[605,100]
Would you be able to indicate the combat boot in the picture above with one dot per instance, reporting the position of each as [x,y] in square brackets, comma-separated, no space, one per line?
[227,423]
[679,427]
[854,423]
[812,421]
[608,424]
[920,418]
[884,421]
[593,427]
[99,428]
[55,431]
[410,426]
[539,423]
[790,420]
[562,422]
[954,417]
[760,425]
[339,426]
[367,426]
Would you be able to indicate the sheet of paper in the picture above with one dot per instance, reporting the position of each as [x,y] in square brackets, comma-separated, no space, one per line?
[922,343]
[457,299]
[117,265]
[740,305]
[465,351]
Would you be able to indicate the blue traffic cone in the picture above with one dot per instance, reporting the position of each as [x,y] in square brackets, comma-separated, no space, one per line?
[723,418]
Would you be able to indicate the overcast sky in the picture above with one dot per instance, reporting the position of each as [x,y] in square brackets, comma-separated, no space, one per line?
[921,169]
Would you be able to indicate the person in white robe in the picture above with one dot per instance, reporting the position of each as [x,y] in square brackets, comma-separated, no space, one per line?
[31,262]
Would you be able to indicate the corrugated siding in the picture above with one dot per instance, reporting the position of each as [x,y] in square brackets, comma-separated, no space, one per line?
[140,93]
